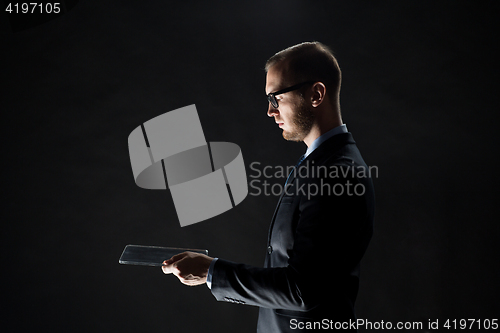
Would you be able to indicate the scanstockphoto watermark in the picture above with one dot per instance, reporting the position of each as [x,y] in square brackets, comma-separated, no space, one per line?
[328,324]
[428,325]
[269,180]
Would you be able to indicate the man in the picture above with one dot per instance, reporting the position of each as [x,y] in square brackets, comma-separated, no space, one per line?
[324,218]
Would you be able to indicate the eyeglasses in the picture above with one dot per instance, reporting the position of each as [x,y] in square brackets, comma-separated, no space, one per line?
[271,97]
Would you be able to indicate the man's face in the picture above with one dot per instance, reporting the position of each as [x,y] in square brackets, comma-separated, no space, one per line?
[292,115]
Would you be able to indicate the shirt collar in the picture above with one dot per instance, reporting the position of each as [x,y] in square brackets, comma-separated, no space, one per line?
[334,131]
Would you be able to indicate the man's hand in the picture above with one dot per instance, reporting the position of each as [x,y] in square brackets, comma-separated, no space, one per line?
[191,268]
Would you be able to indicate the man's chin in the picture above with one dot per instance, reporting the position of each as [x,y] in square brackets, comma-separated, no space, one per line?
[292,136]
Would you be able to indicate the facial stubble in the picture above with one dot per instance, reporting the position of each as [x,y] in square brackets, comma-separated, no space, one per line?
[302,122]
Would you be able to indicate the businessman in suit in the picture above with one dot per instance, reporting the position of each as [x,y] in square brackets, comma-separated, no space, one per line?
[324,218]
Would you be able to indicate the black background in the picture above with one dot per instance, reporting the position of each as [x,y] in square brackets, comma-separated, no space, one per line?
[419,95]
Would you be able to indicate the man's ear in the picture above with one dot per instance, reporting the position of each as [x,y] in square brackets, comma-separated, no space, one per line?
[318,94]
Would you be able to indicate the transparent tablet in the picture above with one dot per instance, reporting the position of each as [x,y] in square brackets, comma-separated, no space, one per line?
[151,255]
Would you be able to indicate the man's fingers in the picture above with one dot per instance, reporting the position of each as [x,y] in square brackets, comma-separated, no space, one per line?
[190,268]
[179,256]
[169,266]
[175,258]
[166,267]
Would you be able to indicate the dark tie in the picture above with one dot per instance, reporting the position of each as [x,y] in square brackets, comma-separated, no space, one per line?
[295,168]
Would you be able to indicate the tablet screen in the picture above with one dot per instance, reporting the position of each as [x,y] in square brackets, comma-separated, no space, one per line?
[151,255]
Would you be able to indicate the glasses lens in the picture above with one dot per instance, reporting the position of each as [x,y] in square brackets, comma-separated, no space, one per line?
[272,100]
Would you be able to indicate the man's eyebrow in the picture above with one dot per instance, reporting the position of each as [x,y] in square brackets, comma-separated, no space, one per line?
[272,90]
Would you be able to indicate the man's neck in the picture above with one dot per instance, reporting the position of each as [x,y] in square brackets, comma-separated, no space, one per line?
[318,130]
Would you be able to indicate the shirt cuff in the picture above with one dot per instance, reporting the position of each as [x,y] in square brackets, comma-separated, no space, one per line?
[210,272]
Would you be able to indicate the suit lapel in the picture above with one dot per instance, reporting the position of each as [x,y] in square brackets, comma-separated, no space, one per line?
[331,145]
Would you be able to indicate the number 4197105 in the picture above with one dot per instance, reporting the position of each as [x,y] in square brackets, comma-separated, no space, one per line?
[471,324]
[34,7]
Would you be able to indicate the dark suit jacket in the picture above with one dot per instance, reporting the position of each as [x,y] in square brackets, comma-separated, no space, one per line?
[315,244]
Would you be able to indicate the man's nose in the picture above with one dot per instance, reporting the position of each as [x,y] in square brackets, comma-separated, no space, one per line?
[272,111]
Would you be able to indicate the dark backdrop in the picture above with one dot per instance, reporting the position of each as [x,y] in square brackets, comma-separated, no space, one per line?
[419,95]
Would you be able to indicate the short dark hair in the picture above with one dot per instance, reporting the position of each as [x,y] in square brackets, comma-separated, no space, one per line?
[310,61]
